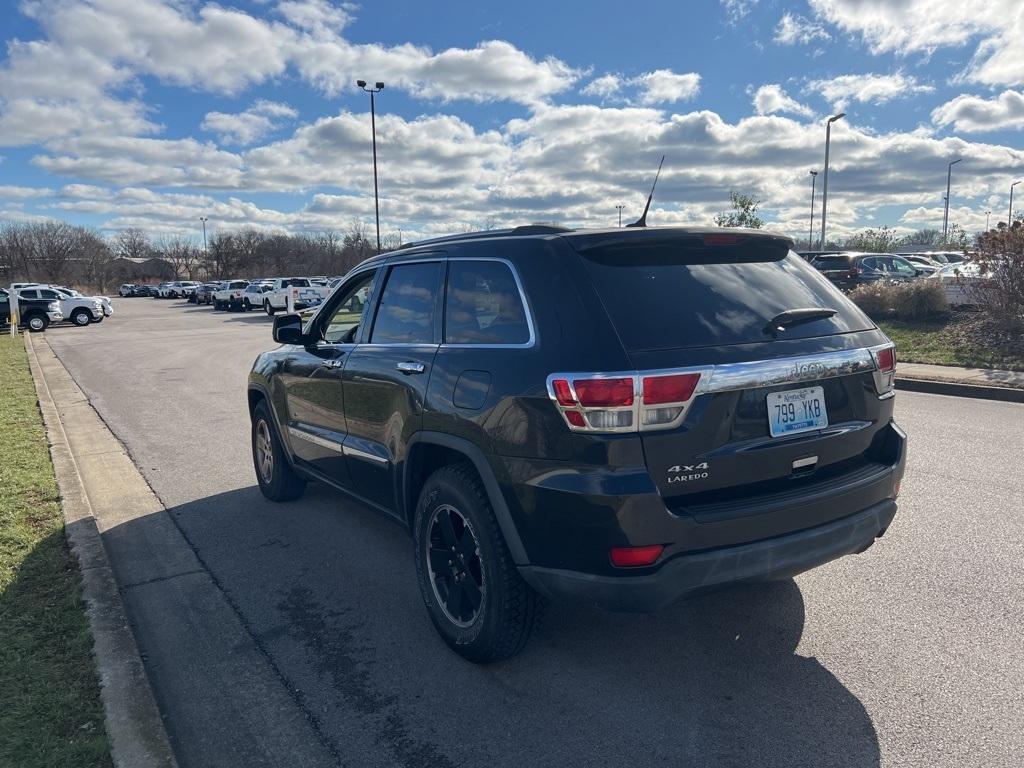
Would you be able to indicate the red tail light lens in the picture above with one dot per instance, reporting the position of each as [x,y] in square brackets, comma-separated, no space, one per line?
[886,359]
[631,557]
[604,393]
[575,418]
[563,392]
[675,388]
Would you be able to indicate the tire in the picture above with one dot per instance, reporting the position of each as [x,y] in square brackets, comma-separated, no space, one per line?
[81,317]
[246,306]
[507,609]
[277,480]
[268,308]
[216,306]
[37,323]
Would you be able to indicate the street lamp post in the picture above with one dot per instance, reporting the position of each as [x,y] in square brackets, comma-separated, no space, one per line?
[810,227]
[987,214]
[619,208]
[824,186]
[206,250]
[377,88]
[1009,216]
[945,214]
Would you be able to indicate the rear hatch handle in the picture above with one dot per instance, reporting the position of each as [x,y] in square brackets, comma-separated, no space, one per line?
[792,317]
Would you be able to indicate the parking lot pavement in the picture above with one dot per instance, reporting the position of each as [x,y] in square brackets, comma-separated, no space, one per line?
[907,655]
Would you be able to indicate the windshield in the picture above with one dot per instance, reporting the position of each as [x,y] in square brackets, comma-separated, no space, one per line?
[668,295]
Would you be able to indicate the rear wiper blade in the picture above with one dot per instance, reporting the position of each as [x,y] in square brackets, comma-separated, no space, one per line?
[792,317]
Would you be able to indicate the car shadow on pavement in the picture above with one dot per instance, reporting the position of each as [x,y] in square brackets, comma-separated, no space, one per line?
[325,588]
[255,316]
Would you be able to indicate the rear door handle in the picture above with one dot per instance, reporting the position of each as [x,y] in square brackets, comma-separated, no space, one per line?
[411,367]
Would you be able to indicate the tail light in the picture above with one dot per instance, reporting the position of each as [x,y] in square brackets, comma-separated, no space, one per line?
[631,557]
[295,293]
[623,402]
[885,369]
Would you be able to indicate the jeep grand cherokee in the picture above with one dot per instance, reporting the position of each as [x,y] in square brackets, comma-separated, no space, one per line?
[624,416]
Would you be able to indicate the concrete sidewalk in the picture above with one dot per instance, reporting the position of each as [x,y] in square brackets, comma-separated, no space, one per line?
[986,383]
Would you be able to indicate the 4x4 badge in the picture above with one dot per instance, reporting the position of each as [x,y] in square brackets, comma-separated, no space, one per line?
[685,473]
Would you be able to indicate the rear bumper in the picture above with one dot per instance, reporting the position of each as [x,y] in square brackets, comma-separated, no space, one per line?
[688,574]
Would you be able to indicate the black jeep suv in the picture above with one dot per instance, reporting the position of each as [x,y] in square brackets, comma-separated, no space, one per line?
[624,416]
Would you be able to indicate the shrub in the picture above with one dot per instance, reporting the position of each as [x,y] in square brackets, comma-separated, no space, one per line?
[916,300]
[1001,260]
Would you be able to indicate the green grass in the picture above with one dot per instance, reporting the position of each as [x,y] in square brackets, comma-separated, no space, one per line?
[936,342]
[50,710]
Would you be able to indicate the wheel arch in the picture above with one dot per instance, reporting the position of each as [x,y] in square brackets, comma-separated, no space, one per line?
[428,452]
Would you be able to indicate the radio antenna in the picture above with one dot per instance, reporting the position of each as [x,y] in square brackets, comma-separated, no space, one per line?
[642,221]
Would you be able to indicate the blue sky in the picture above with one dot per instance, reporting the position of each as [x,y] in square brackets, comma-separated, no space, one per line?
[139,113]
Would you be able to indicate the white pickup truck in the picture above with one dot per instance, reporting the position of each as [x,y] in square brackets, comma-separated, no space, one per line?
[229,294]
[302,291]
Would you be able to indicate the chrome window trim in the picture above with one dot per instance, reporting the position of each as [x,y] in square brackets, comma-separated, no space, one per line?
[727,377]
[356,453]
[323,442]
[527,309]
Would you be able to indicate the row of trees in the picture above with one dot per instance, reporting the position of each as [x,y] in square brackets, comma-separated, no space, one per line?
[744,208]
[56,252]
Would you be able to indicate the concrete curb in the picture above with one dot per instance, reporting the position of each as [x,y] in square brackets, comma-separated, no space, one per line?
[137,735]
[958,389]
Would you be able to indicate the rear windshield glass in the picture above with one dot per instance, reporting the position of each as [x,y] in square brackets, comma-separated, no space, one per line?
[662,296]
[295,282]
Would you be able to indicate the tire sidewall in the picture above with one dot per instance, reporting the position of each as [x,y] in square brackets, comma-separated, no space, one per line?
[282,485]
[36,323]
[79,313]
[451,489]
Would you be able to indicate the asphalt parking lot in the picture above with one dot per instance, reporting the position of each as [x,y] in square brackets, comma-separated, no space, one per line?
[315,648]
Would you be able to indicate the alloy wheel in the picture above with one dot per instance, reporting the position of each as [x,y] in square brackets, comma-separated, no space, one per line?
[264,451]
[454,565]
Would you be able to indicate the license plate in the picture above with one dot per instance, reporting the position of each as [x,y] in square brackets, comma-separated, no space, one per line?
[797,410]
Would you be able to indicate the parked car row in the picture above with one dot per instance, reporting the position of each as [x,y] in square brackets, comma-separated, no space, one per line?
[272,295]
[41,304]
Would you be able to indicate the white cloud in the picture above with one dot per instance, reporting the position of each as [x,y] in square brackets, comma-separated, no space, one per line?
[8,192]
[769,99]
[249,126]
[868,88]
[661,86]
[603,87]
[910,26]
[794,28]
[736,10]
[975,113]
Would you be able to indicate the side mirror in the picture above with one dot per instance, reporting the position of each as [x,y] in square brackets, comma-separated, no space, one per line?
[288,330]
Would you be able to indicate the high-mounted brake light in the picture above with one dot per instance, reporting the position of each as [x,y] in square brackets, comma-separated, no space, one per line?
[624,402]
[631,557]
[723,239]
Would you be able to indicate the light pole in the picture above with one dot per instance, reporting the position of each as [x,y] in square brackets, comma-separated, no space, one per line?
[945,214]
[377,88]
[619,208]
[987,214]
[810,228]
[1009,216]
[206,251]
[824,186]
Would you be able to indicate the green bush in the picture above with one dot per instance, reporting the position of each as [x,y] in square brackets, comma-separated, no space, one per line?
[916,300]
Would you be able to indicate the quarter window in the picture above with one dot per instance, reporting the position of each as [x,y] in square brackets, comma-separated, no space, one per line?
[408,305]
[484,305]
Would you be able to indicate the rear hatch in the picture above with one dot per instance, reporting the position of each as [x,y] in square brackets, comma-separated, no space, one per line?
[784,398]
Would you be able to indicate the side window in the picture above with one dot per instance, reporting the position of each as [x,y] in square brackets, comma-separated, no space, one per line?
[483,305]
[871,263]
[49,295]
[904,267]
[348,313]
[29,294]
[408,305]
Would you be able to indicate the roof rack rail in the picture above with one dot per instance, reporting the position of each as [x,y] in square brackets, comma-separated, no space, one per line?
[521,231]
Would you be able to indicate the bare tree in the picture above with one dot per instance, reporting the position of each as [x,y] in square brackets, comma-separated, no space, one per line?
[182,254]
[15,251]
[53,248]
[132,243]
[96,260]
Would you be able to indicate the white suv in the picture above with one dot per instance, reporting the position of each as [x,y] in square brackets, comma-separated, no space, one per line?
[80,310]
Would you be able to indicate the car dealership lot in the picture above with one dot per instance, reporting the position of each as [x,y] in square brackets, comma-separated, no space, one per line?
[906,655]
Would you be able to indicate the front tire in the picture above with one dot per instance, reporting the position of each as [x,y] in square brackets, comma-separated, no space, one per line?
[473,592]
[268,308]
[278,481]
[81,317]
[37,323]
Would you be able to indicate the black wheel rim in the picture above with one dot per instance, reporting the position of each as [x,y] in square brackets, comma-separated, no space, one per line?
[454,565]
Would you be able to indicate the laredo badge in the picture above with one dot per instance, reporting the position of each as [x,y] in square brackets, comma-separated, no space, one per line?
[685,473]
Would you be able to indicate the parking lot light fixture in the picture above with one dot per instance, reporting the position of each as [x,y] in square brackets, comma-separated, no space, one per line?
[987,214]
[619,209]
[206,250]
[1009,216]
[810,228]
[377,88]
[945,213]
[824,186]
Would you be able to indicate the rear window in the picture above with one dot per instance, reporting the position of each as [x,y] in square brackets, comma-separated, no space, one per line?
[295,282]
[238,284]
[671,295]
[832,262]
